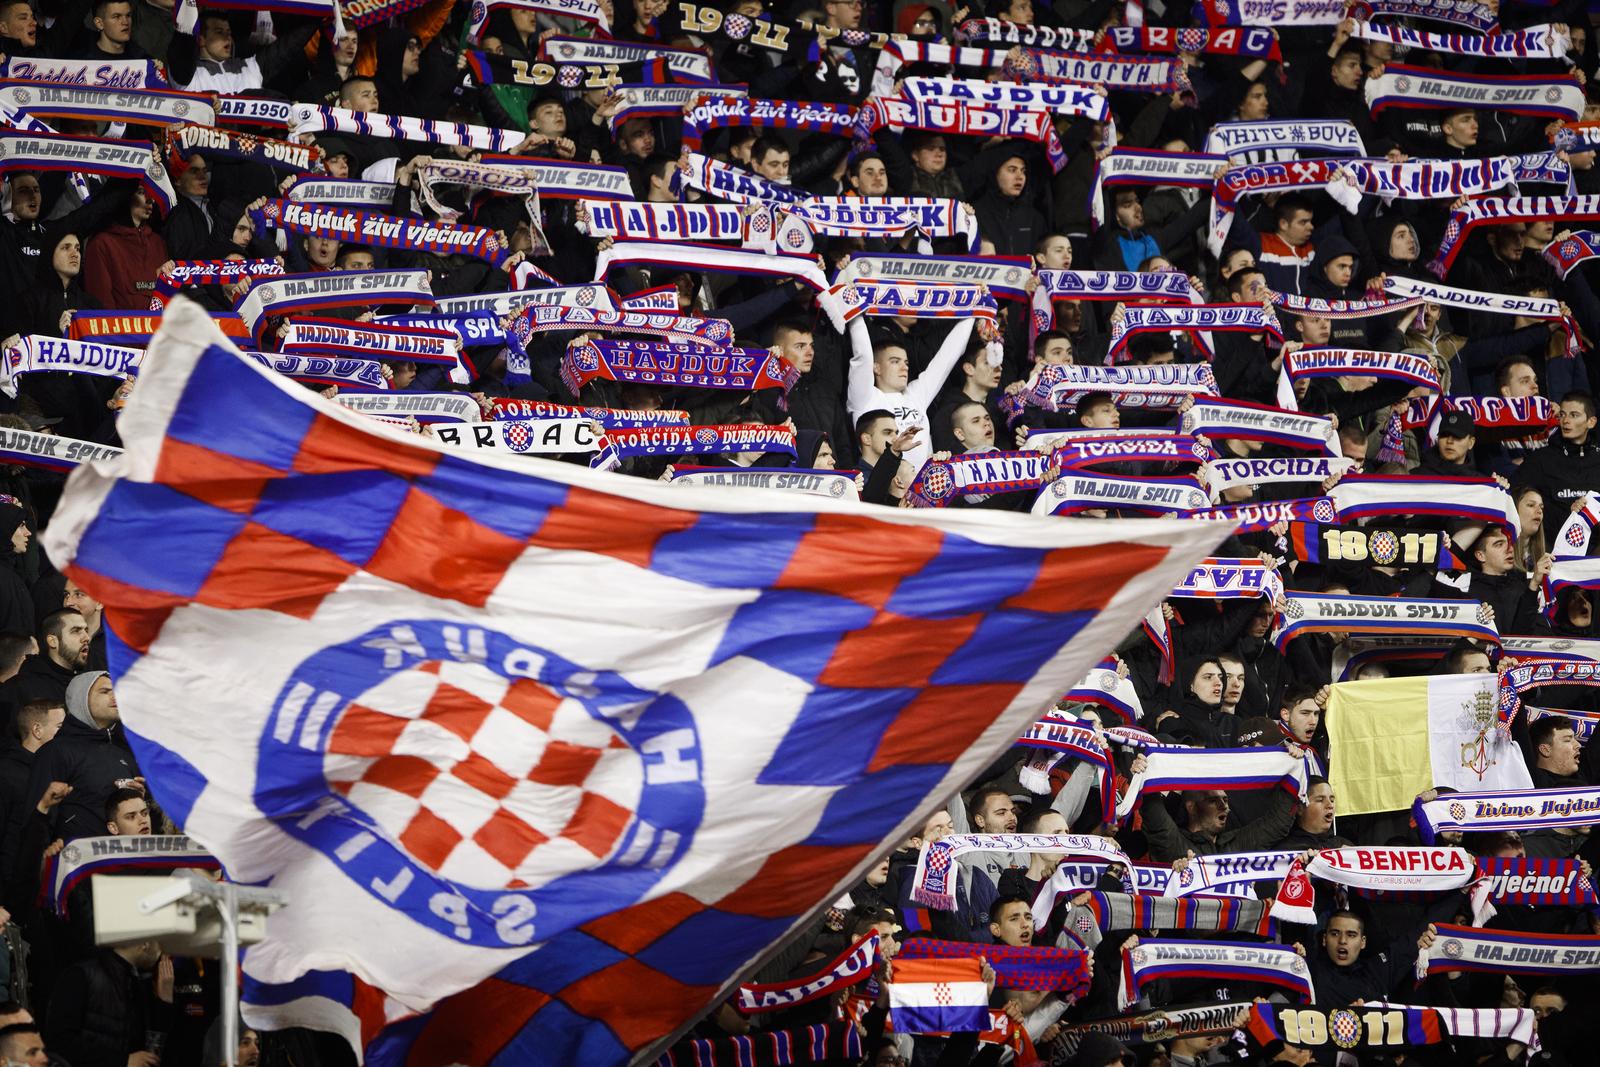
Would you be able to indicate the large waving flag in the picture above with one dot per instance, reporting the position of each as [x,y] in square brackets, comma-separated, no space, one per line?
[555,753]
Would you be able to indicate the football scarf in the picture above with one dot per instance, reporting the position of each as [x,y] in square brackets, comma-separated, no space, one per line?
[1107,688]
[1253,518]
[597,297]
[651,101]
[1221,873]
[1178,767]
[801,38]
[1580,246]
[1271,1026]
[819,1043]
[1149,168]
[731,183]
[1077,100]
[1531,673]
[896,54]
[325,370]
[1136,74]
[1441,179]
[1157,287]
[671,363]
[1079,490]
[1219,418]
[364,13]
[38,353]
[253,111]
[1519,414]
[301,293]
[1362,496]
[583,10]
[1307,363]
[1472,14]
[675,256]
[837,485]
[1005,276]
[87,73]
[617,445]
[1196,319]
[1257,179]
[1284,13]
[1059,387]
[1226,961]
[1378,868]
[377,230]
[1572,540]
[1000,31]
[1224,474]
[1104,913]
[685,64]
[508,408]
[315,189]
[489,69]
[1320,136]
[1501,1024]
[917,300]
[1576,136]
[1404,86]
[1567,574]
[86,857]
[365,340]
[47,451]
[1467,948]
[851,216]
[1342,309]
[703,333]
[534,437]
[1534,42]
[209,272]
[1058,739]
[1511,809]
[1317,543]
[309,118]
[1087,449]
[185,141]
[1162,1025]
[135,107]
[136,160]
[1534,883]
[559,179]
[479,177]
[424,407]
[940,481]
[958,119]
[725,112]
[933,884]
[1225,577]
[1256,42]
[1321,613]
[855,964]
[134,329]
[1496,210]
[662,222]
[661,298]
[1583,722]
[1036,967]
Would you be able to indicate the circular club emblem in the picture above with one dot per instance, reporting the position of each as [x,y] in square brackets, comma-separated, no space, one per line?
[476,782]
[569,77]
[836,487]
[852,295]
[586,359]
[1561,645]
[22,96]
[1552,94]
[1574,536]
[1452,948]
[1192,39]
[1294,609]
[1186,876]
[518,437]
[1297,965]
[71,854]
[585,296]
[1013,276]
[566,51]
[795,238]
[705,437]
[1402,84]
[180,108]
[268,294]
[1108,681]
[863,267]
[1344,1028]
[737,27]
[1458,811]
[1198,500]
[1485,614]
[936,482]
[1384,547]
[480,12]
[1323,511]
[1137,955]
[1059,488]
[1570,249]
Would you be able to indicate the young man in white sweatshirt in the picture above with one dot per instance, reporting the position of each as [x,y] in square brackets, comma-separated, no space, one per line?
[879,378]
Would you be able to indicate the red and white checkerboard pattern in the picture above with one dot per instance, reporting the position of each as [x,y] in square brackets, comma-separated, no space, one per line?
[472,774]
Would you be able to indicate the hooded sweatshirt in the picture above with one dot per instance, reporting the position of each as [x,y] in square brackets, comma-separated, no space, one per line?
[94,760]
[120,265]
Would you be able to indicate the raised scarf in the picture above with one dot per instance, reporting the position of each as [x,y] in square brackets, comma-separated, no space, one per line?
[1583,722]
[1229,961]
[686,64]
[726,112]
[835,484]
[316,189]
[479,177]
[1260,179]
[1041,968]
[662,222]
[706,257]
[617,445]
[1109,689]
[1306,363]
[510,408]
[88,73]
[309,118]
[48,451]
[136,160]
[377,230]
[1320,136]
[424,407]
[1468,948]
[1081,490]
[1441,179]
[1342,309]
[855,964]
[1542,95]
[246,110]
[1510,809]
[896,54]
[185,141]
[1228,578]
[560,179]
[325,370]
[682,329]
[1534,883]
[956,118]
[135,107]
[1219,418]
[536,437]
[1179,767]
[674,363]
[489,69]
[1150,168]
[1534,42]
[1196,319]
[940,481]
[38,353]
[1313,613]
[651,101]
[819,1043]
[1224,474]
[299,293]
[801,38]
[1006,276]
[133,328]
[1138,74]
[1368,1028]
[583,10]
[854,216]
[1077,100]
[933,883]
[1473,14]
[1380,868]
[1532,672]
[1088,449]
[1156,287]
[1161,1025]
[209,272]
[597,297]
[1361,496]
[1000,31]
[731,183]
[1577,247]
[1059,387]
[1572,540]
[1497,210]
[1382,547]
[1104,913]
[86,857]
[1270,12]
[1253,518]
[1070,739]
[1527,413]
[367,340]
[917,300]
[1566,574]
[1257,42]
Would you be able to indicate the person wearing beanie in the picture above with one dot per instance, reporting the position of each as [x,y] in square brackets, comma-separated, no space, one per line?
[16,605]
[90,754]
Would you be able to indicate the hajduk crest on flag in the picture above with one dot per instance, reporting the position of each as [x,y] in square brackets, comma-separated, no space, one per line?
[604,648]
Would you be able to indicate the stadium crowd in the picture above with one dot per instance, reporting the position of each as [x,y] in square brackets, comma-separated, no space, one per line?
[1284,284]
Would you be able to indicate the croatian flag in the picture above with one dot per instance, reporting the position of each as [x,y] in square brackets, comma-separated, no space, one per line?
[938,996]
[588,745]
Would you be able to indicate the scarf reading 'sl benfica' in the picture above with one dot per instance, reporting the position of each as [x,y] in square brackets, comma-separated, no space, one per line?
[511,409]
[136,160]
[682,329]
[1231,961]
[1386,868]
[1041,968]
[818,1043]
[855,964]
[1467,948]
[669,363]
[1497,210]
[309,118]
[1257,42]
[719,112]
[933,884]
[374,229]
[1104,913]
[1542,95]
[136,107]
[617,445]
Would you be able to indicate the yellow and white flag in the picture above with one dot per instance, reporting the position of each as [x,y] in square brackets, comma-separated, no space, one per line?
[1392,738]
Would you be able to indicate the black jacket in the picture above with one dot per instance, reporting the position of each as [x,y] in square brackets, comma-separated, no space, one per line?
[1563,472]
[40,678]
[100,1012]
[90,760]
[16,769]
